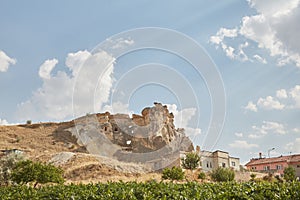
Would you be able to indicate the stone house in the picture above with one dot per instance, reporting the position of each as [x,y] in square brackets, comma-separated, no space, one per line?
[212,160]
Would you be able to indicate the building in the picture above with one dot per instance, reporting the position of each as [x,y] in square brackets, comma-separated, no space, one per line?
[212,160]
[274,165]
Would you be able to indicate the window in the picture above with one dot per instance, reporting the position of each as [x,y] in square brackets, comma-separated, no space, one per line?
[207,164]
[298,166]
[210,165]
[232,163]
[278,167]
[223,165]
[266,168]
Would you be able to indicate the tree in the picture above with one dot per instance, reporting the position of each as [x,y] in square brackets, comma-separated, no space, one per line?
[252,176]
[222,174]
[201,176]
[289,173]
[191,161]
[6,165]
[174,173]
[27,171]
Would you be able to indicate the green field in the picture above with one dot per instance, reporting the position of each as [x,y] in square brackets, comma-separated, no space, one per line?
[157,190]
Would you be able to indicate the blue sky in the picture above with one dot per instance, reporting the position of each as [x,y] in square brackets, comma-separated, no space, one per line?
[254,45]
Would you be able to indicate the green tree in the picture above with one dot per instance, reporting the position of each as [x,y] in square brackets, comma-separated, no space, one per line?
[252,176]
[6,165]
[289,173]
[27,171]
[222,174]
[191,161]
[174,173]
[201,176]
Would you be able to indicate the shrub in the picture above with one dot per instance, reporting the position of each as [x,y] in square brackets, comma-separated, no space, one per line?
[201,176]
[28,122]
[252,177]
[191,161]
[6,165]
[27,171]
[174,173]
[289,173]
[222,174]
[268,177]
[278,178]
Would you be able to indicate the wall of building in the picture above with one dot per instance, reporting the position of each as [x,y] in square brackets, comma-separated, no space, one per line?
[207,161]
[296,166]
[277,167]
[213,160]
[234,163]
[221,159]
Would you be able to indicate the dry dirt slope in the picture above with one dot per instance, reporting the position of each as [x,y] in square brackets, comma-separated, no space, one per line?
[48,142]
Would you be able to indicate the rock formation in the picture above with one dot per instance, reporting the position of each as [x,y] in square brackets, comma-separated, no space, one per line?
[147,138]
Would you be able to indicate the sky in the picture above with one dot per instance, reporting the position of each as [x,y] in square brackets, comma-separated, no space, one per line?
[61,59]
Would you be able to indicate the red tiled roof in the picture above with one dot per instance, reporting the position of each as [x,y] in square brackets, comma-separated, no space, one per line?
[290,158]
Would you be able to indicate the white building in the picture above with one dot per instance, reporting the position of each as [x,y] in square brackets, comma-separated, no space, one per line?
[213,160]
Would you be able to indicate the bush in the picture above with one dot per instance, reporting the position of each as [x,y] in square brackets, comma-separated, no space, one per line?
[268,177]
[289,173]
[201,176]
[174,173]
[7,163]
[222,174]
[278,178]
[191,161]
[252,177]
[28,171]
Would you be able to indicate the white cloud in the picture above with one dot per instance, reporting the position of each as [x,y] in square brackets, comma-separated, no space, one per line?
[182,119]
[291,99]
[294,146]
[274,27]
[281,94]
[242,144]
[75,60]
[254,136]
[295,96]
[46,68]
[277,8]
[5,61]
[120,43]
[53,100]
[269,103]
[3,122]
[268,127]
[260,59]
[296,130]
[117,107]
[238,134]
[251,106]
[233,53]
[223,33]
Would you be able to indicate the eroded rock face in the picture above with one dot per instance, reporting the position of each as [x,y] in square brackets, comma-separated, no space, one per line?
[151,135]
[150,131]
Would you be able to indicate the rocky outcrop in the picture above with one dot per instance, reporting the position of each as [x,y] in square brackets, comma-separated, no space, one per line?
[147,138]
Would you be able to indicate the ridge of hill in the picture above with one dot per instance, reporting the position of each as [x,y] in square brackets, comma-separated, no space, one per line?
[62,144]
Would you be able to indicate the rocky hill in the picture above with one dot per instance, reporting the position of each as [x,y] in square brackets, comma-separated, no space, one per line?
[99,145]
